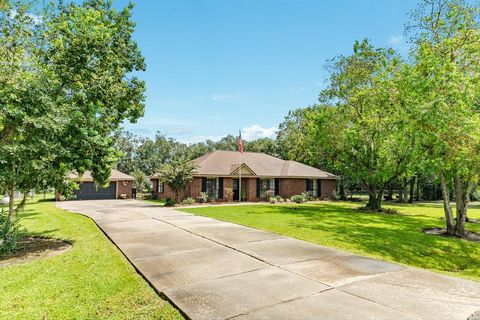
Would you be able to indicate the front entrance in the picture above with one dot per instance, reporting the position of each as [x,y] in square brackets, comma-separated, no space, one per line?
[236,189]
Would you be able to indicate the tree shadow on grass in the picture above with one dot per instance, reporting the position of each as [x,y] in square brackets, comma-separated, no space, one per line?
[395,237]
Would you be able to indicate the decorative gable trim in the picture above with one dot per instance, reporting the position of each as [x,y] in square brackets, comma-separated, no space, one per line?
[245,170]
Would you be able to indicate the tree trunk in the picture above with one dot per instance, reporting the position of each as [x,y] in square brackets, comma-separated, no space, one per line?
[400,193]
[462,197]
[417,196]
[374,200]
[446,204]
[11,203]
[390,192]
[379,200]
[412,189]
[342,190]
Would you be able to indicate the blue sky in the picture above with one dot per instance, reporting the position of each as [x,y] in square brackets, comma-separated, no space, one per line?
[215,66]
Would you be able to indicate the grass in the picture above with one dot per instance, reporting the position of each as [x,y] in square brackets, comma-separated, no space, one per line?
[398,238]
[92,280]
[160,202]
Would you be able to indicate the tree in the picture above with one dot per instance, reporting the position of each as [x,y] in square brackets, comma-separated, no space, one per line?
[177,175]
[362,125]
[127,144]
[140,181]
[263,145]
[294,140]
[65,86]
[446,82]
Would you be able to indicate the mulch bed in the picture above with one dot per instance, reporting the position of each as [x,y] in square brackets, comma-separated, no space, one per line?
[470,236]
[34,248]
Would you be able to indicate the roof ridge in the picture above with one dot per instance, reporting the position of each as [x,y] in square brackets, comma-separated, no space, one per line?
[303,164]
[206,156]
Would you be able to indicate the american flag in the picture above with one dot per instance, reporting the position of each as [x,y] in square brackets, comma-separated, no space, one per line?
[240,141]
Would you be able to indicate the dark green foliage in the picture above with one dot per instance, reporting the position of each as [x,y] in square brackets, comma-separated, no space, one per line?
[9,233]
[66,84]
[170,202]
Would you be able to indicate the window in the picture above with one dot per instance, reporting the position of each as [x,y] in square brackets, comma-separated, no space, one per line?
[313,187]
[266,185]
[161,186]
[212,188]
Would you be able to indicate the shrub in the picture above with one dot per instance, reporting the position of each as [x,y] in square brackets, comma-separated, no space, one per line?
[298,198]
[170,202]
[309,196]
[475,194]
[273,200]
[8,237]
[188,201]
[270,194]
[228,193]
[203,197]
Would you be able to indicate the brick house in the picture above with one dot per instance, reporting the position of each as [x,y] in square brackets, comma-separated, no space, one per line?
[260,174]
[119,186]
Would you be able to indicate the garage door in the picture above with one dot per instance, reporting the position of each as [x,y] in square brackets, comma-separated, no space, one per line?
[90,191]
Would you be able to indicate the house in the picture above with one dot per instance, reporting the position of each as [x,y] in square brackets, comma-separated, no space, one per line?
[120,186]
[260,174]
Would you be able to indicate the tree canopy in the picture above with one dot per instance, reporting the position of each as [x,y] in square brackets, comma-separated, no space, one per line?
[66,83]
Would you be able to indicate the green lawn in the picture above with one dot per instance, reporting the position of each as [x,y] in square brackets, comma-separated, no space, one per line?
[90,281]
[397,238]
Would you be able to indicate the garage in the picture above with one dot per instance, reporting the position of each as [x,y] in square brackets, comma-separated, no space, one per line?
[119,187]
[91,191]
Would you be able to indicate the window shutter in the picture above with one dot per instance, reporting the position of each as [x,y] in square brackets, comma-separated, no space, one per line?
[204,184]
[308,185]
[258,187]
[319,188]
[220,188]
[277,186]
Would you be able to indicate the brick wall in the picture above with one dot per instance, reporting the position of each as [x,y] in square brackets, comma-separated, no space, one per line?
[290,187]
[194,188]
[327,188]
[167,192]
[124,187]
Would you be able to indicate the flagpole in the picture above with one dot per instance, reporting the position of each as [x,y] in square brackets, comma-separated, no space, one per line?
[240,149]
[240,179]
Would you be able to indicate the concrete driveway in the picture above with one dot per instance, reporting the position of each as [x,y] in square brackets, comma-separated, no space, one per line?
[217,270]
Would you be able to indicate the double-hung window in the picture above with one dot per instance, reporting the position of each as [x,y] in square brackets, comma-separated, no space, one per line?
[212,188]
[161,187]
[313,187]
[266,185]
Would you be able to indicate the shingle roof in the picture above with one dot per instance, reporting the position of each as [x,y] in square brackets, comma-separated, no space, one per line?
[114,176]
[224,163]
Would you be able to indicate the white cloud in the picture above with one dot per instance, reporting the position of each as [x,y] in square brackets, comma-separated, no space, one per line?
[36,19]
[256,131]
[230,97]
[297,89]
[196,139]
[395,40]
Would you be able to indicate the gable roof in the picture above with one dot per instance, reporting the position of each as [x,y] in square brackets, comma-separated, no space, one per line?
[114,176]
[225,163]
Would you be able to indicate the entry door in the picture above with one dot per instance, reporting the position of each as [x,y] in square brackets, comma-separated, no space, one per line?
[235,189]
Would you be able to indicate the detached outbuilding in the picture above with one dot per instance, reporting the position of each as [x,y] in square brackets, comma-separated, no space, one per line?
[259,174]
[119,187]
